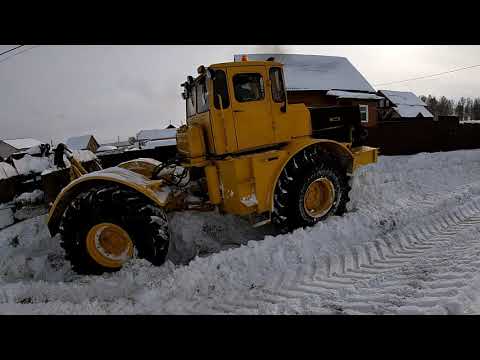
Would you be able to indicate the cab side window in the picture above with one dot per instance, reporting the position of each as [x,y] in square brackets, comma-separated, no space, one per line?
[248,87]
[278,88]
[220,90]
[202,96]
[191,102]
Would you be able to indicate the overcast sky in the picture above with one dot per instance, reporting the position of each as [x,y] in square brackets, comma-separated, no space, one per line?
[53,92]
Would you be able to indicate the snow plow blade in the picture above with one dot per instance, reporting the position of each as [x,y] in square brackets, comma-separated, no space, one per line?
[364,155]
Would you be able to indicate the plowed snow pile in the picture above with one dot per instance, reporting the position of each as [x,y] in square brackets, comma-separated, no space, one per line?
[408,244]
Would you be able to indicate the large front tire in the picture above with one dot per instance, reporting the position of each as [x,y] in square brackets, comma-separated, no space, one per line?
[105,226]
[311,188]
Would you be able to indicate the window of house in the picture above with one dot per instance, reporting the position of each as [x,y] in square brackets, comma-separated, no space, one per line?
[202,95]
[278,89]
[220,89]
[364,113]
[248,87]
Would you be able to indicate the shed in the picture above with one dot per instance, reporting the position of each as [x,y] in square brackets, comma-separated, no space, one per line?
[84,142]
[12,146]
[325,81]
[402,105]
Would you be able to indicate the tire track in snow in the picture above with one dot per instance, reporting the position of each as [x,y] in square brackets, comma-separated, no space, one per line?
[352,281]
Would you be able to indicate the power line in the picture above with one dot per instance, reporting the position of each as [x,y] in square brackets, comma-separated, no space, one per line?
[18,53]
[16,47]
[427,76]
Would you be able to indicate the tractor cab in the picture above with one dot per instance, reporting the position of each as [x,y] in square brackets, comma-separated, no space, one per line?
[236,107]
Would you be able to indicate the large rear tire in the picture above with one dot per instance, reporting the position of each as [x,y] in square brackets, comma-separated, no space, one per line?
[312,187]
[105,226]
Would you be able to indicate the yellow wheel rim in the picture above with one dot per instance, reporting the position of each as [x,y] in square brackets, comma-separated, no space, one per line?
[319,197]
[109,245]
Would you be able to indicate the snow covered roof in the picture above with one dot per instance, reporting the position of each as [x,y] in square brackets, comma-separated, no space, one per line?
[7,170]
[78,142]
[410,111]
[106,148]
[402,98]
[157,134]
[317,72]
[159,143]
[21,144]
[353,95]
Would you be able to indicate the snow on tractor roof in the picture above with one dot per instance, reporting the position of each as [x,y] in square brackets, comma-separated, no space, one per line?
[317,72]
[403,98]
[22,144]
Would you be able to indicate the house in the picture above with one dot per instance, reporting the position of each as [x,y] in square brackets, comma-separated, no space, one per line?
[169,133]
[398,105]
[12,146]
[84,142]
[325,81]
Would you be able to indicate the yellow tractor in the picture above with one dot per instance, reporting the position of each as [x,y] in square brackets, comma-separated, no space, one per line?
[244,150]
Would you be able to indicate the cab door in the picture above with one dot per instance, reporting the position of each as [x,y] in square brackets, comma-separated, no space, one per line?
[251,106]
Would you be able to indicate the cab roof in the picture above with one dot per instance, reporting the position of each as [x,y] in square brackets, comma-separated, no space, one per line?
[247,63]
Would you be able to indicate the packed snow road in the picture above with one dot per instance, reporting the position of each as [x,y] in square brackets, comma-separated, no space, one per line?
[409,244]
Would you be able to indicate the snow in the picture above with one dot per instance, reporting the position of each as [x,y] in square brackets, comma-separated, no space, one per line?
[403,98]
[409,243]
[470,122]
[7,171]
[84,155]
[106,148]
[21,144]
[353,95]
[35,150]
[78,142]
[156,134]
[160,143]
[31,165]
[317,72]
[412,111]
[6,217]
[34,197]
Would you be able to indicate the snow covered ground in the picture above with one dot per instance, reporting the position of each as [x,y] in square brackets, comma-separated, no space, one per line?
[409,244]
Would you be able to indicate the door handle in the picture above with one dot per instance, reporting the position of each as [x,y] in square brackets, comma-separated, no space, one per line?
[237,110]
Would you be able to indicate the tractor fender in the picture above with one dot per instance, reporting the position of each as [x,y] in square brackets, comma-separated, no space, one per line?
[337,149]
[116,175]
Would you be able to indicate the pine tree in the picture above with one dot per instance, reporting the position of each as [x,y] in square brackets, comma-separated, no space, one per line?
[444,107]
[468,109]
[432,104]
[476,109]
[460,108]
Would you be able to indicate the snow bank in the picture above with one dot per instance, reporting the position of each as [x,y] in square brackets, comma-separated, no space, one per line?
[32,198]
[7,171]
[6,217]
